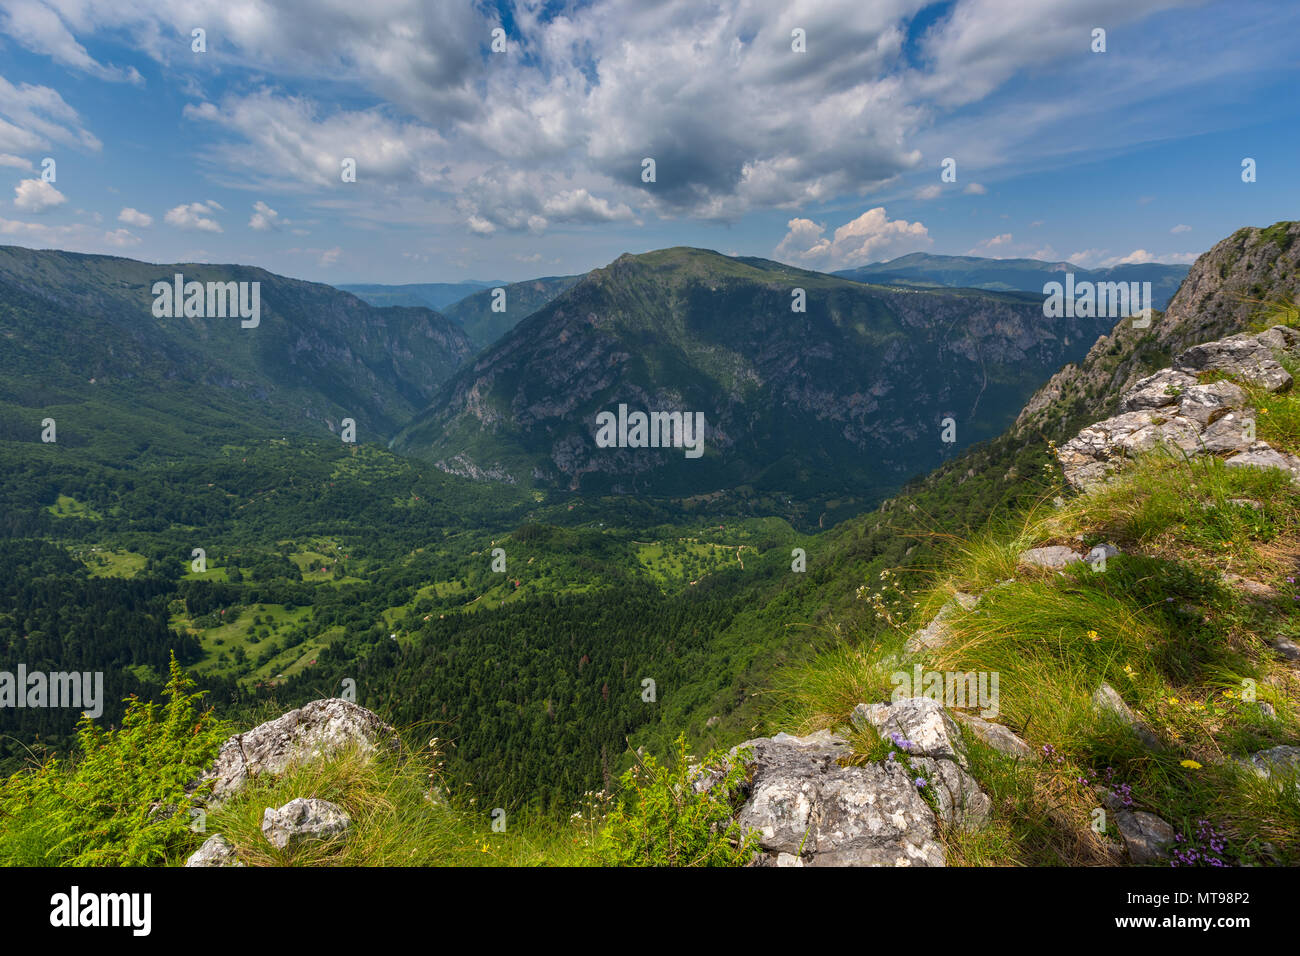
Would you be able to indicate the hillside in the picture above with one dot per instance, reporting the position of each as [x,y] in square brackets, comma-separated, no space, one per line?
[845,399]
[1010,275]
[83,345]
[484,326]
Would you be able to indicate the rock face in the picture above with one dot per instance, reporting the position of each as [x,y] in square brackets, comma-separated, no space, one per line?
[810,811]
[1170,409]
[1218,298]
[304,820]
[315,731]
[1283,759]
[216,851]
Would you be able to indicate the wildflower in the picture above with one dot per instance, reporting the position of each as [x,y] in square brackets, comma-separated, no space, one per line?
[1094,636]
[1190,765]
[920,782]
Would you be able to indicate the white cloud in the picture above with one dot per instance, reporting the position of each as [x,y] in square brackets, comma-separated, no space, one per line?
[933,191]
[870,237]
[17,162]
[36,117]
[265,218]
[121,238]
[975,189]
[994,244]
[36,195]
[134,217]
[330,256]
[41,29]
[1180,228]
[196,215]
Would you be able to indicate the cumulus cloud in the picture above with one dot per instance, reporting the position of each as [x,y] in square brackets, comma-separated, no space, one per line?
[134,217]
[265,218]
[195,215]
[41,29]
[1180,228]
[933,191]
[36,195]
[121,238]
[975,189]
[870,237]
[531,201]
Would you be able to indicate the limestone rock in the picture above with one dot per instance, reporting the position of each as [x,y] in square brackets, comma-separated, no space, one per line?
[921,721]
[216,851]
[936,633]
[1283,759]
[304,820]
[1052,557]
[1245,356]
[995,735]
[1262,455]
[1108,700]
[313,732]
[1145,834]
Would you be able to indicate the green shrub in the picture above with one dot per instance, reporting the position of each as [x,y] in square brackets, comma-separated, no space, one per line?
[121,800]
[660,820]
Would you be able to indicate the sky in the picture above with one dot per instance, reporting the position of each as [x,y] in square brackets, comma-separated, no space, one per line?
[529,159]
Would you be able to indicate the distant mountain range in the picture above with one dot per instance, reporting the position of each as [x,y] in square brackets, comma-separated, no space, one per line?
[848,396]
[1011,275]
[428,295]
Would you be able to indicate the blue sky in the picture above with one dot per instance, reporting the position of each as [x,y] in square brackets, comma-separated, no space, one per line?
[475,164]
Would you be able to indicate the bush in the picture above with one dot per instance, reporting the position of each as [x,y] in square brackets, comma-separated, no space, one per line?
[660,820]
[121,801]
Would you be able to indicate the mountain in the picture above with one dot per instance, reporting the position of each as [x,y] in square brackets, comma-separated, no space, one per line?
[428,295]
[846,398]
[1011,275]
[522,299]
[1225,289]
[82,344]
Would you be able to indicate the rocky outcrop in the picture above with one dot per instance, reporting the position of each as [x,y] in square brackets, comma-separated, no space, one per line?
[809,810]
[315,731]
[1219,297]
[1171,409]
[304,820]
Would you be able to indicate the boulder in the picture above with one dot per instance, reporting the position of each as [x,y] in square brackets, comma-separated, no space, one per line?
[1108,700]
[1263,455]
[315,731]
[995,735]
[1283,759]
[1246,356]
[937,632]
[216,851]
[1146,836]
[921,721]
[1156,391]
[808,810]
[1052,557]
[304,820]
